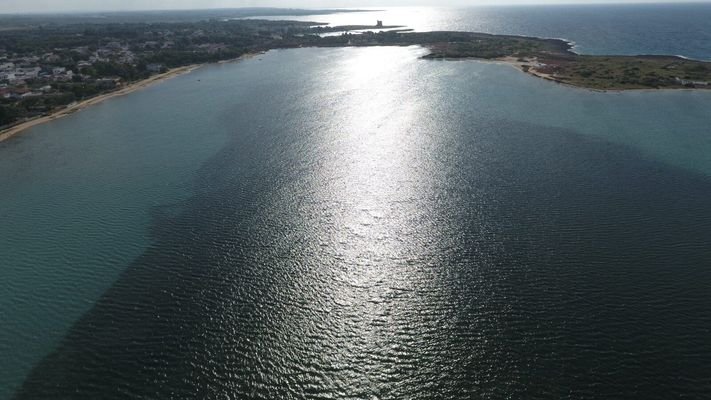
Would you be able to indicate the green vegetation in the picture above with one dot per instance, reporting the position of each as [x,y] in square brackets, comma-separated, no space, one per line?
[476,45]
[621,72]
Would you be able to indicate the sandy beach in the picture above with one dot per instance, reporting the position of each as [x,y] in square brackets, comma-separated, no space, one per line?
[14,130]
[530,66]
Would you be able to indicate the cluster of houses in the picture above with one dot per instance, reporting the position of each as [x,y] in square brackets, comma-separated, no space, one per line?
[19,73]
[42,71]
[37,74]
[15,74]
[57,66]
[16,93]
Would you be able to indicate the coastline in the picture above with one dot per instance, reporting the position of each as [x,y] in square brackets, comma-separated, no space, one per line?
[70,109]
[519,65]
[527,68]
[12,131]
[551,78]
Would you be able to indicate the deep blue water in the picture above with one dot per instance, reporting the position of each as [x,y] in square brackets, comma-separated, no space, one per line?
[360,223]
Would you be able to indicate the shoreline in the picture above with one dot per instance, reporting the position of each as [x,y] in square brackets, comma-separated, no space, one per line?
[551,78]
[14,130]
[531,71]
[75,107]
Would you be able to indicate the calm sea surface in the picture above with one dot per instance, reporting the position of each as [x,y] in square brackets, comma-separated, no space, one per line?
[360,223]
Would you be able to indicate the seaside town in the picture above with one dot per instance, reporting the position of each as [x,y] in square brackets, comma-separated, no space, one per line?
[43,68]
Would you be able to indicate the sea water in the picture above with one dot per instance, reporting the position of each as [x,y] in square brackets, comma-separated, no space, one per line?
[359,223]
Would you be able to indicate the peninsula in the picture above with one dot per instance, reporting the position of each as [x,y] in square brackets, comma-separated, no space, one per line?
[49,69]
[551,59]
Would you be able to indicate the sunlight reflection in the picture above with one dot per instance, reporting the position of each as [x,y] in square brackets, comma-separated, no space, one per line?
[379,187]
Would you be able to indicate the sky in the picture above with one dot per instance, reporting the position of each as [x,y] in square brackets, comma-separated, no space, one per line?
[15,6]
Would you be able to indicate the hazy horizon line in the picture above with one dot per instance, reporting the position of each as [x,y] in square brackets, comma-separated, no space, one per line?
[484,3]
[365,8]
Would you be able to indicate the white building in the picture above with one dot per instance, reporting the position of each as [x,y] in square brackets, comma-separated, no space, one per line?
[63,77]
[154,67]
[27,73]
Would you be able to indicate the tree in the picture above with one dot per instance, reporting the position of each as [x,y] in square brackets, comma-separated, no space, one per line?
[7,115]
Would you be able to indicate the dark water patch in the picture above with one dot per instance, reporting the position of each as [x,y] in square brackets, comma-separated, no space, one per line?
[520,262]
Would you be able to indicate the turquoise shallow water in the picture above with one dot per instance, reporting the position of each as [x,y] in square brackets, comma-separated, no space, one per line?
[359,223]
[78,198]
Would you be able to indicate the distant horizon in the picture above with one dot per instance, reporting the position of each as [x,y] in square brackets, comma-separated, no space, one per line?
[16,7]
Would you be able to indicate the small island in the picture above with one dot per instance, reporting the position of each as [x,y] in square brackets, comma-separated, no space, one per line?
[52,66]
